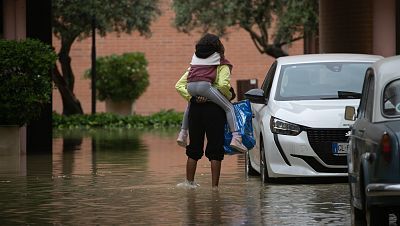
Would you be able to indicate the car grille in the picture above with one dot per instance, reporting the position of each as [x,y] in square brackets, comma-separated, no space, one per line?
[321,142]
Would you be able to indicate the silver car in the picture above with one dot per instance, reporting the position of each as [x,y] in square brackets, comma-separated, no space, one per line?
[374,155]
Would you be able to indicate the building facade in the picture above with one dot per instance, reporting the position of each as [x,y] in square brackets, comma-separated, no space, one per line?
[356,26]
[169,53]
[360,26]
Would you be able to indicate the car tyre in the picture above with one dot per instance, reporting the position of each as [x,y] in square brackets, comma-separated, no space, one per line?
[373,215]
[263,164]
[357,213]
[250,171]
[376,216]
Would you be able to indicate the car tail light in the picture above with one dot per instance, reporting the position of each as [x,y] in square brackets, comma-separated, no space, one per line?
[386,147]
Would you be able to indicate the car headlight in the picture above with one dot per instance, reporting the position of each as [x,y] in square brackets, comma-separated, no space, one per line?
[279,126]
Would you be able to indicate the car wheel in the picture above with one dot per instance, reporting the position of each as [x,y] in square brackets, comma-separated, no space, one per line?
[250,171]
[376,216]
[373,214]
[357,213]
[263,165]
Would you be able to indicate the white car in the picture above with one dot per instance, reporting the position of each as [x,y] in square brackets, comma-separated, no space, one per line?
[298,115]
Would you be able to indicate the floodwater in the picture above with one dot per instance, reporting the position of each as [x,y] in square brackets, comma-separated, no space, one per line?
[129,177]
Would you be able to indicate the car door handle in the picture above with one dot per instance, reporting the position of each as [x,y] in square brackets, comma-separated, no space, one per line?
[361,131]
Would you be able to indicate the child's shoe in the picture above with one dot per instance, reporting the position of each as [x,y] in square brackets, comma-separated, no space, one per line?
[182,138]
[236,143]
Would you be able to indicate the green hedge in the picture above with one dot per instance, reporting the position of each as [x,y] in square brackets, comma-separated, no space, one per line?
[162,119]
[25,81]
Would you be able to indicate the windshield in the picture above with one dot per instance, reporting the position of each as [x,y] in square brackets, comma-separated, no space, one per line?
[321,81]
[391,99]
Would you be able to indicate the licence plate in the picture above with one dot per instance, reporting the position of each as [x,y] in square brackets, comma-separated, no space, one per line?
[340,148]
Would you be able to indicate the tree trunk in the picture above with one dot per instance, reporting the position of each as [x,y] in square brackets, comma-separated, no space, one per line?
[275,51]
[65,61]
[261,43]
[71,104]
[65,81]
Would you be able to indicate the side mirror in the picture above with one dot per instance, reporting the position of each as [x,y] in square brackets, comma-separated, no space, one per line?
[350,113]
[256,96]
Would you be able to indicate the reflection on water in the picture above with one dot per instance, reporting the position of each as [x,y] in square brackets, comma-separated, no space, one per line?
[112,177]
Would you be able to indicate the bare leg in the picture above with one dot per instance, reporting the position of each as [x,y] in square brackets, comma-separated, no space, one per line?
[191,165]
[185,120]
[215,172]
[183,134]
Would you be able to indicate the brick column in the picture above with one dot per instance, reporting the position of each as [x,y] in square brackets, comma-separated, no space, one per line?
[14,19]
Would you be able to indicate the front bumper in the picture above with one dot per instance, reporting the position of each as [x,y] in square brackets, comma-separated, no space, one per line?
[292,156]
[381,190]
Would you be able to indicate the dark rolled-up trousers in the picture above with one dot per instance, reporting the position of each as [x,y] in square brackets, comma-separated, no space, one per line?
[206,120]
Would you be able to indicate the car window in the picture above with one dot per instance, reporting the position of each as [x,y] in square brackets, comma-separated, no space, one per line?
[266,86]
[320,81]
[391,99]
[370,98]
[363,101]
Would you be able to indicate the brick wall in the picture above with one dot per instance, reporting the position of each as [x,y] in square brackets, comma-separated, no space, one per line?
[168,53]
[346,26]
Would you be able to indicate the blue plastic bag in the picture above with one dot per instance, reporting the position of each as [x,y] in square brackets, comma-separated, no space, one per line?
[243,116]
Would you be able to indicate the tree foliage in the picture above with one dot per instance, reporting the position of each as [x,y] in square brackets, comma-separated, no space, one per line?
[121,77]
[271,24]
[72,20]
